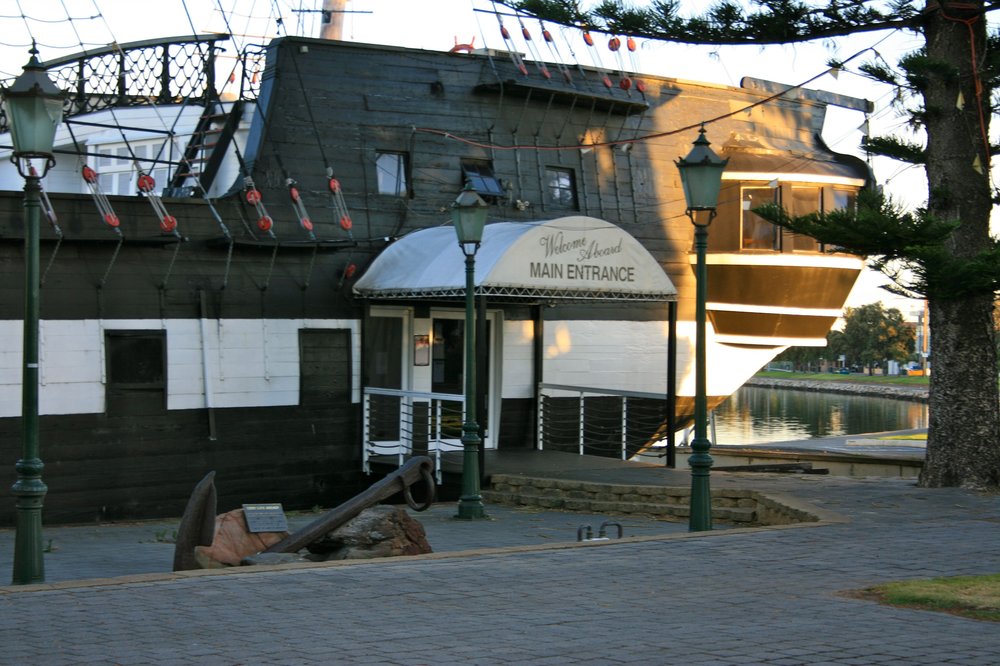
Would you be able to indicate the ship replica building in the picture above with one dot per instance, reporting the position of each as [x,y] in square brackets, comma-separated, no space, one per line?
[260,277]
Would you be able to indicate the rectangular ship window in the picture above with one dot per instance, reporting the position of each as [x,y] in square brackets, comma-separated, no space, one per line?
[560,187]
[391,173]
[136,358]
[758,233]
[136,363]
[479,174]
[804,200]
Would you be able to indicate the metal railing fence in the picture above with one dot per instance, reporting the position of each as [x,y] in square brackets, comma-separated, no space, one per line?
[402,424]
[599,421]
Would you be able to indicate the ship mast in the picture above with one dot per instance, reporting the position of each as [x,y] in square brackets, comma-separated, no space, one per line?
[332,26]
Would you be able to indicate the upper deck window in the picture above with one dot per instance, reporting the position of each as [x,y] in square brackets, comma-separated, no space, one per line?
[843,199]
[391,168]
[116,166]
[479,174]
[802,201]
[560,188]
[758,233]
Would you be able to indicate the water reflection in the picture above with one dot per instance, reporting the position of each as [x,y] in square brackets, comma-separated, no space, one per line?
[755,415]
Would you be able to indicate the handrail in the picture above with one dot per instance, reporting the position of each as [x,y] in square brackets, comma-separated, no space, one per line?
[402,393]
[403,424]
[601,391]
[203,38]
[599,420]
[175,70]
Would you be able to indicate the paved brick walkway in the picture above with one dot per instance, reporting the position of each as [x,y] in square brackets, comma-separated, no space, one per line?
[761,596]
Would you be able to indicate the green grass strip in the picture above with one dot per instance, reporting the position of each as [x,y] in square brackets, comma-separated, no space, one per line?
[976,597]
[855,378]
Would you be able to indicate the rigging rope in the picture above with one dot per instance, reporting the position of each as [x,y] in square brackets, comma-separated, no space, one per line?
[556,55]
[336,194]
[515,57]
[646,137]
[50,215]
[535,56]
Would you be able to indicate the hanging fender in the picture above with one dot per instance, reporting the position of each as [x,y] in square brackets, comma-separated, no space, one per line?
[146,183]
[104,208]
[299,206]
[339,205]
[254,198]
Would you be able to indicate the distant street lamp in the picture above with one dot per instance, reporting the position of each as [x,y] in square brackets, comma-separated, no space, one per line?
[468,214]
[701,176]
[33,105]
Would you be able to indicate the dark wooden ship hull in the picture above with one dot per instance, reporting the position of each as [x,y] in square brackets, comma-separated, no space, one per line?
[247,350]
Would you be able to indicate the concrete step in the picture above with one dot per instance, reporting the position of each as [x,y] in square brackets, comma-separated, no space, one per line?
[737,506]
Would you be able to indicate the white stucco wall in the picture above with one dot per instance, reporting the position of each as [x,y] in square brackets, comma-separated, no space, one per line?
[249,362]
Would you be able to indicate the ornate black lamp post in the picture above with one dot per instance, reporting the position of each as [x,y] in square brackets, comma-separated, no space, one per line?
[701,176]
[468,213]
[34,109]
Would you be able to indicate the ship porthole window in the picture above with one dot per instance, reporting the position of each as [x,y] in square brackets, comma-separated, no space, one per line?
[390,168]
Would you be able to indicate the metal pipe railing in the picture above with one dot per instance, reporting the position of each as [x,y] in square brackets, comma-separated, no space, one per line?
[390,428]
[606,421]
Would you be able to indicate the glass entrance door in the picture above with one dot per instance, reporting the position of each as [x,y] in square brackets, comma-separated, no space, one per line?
[414,386]
[447,352]
[448,372]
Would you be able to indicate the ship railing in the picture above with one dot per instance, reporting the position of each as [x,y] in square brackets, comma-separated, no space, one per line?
[176,70]
[599,421]
[398,425]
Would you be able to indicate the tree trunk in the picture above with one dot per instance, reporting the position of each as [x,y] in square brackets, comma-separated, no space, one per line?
[963,443]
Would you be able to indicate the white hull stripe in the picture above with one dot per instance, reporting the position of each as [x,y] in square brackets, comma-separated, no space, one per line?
[793,178]
[813,260]
[773,309]
[769,341]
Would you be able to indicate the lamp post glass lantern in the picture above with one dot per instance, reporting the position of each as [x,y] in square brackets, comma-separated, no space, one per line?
[468,214]
[701,176]
[33,105]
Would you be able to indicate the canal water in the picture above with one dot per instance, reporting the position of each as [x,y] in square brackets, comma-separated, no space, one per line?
[756,415]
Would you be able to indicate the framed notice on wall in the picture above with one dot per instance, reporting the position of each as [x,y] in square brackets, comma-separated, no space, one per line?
[421,350]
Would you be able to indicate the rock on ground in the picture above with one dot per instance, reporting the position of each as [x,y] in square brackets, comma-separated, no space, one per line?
[379,531]
[233,542]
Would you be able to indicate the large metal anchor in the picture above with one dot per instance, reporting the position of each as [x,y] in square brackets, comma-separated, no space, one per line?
[197,526]
[420,468]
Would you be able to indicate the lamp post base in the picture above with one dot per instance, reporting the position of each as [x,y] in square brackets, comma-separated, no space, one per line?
[29,565]
[700,518]
[470,504]
[471,508]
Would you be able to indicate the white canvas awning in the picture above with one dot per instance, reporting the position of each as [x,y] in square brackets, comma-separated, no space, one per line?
[580,258]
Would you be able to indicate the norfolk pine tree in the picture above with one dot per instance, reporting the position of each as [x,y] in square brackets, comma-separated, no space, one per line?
[943,252]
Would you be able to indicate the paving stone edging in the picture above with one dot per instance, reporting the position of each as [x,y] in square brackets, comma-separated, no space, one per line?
[739,506]
[911,393]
